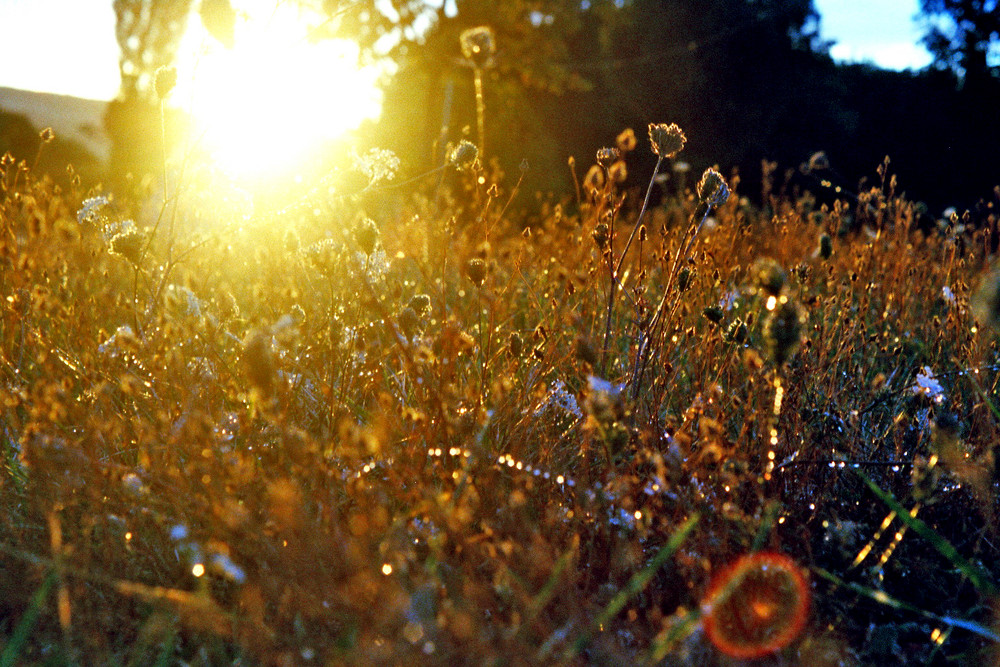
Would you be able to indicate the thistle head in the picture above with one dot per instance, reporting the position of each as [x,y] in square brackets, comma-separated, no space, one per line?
[478,46]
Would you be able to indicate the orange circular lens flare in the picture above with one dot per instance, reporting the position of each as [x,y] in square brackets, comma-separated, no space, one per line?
[756,606]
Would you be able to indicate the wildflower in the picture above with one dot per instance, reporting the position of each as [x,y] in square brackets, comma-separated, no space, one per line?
[129,244]
[366,236]
[927,385]
[626,141]
[475,270]
[91,210]
[181,302]
[756,606]
[713,314]
[47,135]
[464,155]
[783,330]
[712,189]
[478,46]
[164,81]
[607,156]
[378,165]
[667,140]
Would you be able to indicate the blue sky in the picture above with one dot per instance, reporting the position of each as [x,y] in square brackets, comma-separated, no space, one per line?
[69,47]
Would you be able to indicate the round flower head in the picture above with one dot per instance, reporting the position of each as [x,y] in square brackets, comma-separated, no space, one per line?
[128,244]
[712,188]
[464,155]
[756,606]
[768,276]
[667,140]
[478,46]
[366,235]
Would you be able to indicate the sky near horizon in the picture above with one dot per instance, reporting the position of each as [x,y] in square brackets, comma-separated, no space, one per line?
[68,46]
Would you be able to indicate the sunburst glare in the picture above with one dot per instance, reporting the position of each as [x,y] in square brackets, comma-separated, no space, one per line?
[269,103]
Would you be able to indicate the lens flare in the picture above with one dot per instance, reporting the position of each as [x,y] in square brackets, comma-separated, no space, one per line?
[756,606]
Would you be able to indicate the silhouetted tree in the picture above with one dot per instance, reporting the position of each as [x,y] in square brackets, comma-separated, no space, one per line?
[960,35]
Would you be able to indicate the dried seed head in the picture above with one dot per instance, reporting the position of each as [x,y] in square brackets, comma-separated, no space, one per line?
[713,314]
[258,361]
[607,156]
[366,236]
[408,322]
[825,249]
[626,140]
[618,172]
[478,46]
[464,155]
[128,244]
[475,270]
[421,304]
[712,189]
[768,276]
[515,344]
[47,135]
[783,330]
[600,235]
[667,140]
[164,81]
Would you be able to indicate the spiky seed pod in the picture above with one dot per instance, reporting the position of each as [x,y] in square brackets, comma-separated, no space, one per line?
[128,244]
[768,276]
[366,236]
[421,304]
[408,322]
[783,330]
[712,189]
[164,81]
[684,279]
[478,46]
[667,140]
[464,155]
[600,235]
[475,270]
[515,344]
[825,247]
[713,314]
[607,156]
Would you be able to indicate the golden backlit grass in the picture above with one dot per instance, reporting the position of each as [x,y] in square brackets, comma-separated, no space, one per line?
[373,428]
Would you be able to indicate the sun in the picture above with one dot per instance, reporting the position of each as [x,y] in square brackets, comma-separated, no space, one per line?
[264,106]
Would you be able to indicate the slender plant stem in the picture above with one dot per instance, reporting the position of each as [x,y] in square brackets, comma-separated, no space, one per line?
[480,111]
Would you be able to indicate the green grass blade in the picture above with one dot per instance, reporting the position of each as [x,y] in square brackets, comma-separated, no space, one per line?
[884,598]
[638,582]
[24,626]
[979,578]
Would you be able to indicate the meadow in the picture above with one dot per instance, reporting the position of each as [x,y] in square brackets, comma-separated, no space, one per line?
[373,421]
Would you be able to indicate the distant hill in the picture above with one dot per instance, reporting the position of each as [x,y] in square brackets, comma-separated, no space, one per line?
[72,118]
